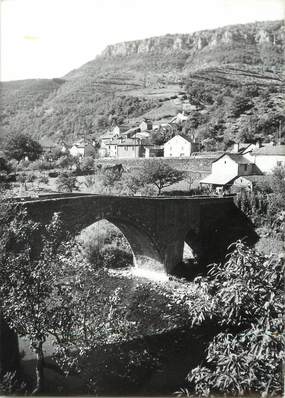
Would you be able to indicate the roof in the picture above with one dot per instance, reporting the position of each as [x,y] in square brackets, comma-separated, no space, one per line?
[256,177]
[179,135]
[242,146]
[236,157]
[107,135]
[130,142]
[273,150]
[218,179]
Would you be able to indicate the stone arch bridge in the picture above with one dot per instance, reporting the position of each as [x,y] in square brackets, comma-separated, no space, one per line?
[156,228]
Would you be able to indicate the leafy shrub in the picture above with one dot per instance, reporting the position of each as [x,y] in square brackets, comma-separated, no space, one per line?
[87,164]
[20,145]
[66,183]
[247,300]
[115,257]
[240,104]
[11,384]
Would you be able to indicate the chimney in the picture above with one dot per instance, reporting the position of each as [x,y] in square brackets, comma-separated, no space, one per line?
[236,148]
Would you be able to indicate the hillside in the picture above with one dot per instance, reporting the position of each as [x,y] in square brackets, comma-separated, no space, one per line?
[233,74]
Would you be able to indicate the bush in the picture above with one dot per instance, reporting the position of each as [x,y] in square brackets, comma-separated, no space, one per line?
[115,257]
[41,165]
[87,164]
[66,183]
[247,301]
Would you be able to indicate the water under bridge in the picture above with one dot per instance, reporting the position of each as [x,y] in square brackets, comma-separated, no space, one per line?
[155,227]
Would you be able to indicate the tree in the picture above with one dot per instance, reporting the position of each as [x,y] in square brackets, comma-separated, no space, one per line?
[66,183]
[162,135]
[160,174]
[246,297]
[110,177]
[87,164]
[33,298]
[133,181]
[49,293]
[240,104]
[21,145]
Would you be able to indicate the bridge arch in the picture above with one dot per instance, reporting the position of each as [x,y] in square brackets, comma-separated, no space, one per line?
[145,250]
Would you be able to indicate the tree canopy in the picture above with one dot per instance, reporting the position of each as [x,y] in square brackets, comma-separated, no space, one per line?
[160,174]
[21,145]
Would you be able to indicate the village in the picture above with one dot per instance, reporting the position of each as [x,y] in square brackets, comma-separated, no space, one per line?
[242,166]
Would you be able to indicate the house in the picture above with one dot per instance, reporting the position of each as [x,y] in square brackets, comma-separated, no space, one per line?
[154,151]
[249,182]
[82,149]
[105,140]
[128,147]
[179,118]
[244,147]
[227,168]
[146,124]
[179,146]
[130,132]
[268,157]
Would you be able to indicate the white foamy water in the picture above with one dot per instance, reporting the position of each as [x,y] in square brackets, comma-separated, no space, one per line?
[146,273]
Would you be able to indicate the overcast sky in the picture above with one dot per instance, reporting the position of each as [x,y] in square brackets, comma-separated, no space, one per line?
[48,38]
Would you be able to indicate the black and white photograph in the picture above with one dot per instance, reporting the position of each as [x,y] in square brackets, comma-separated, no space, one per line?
[142,198]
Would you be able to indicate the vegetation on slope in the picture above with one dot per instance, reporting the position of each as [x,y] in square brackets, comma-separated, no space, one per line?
[124,87]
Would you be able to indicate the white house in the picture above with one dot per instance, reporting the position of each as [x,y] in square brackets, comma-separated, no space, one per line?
[82,148]
[179,118]
[179,146]
[268,157]
[227,168]
[145,125]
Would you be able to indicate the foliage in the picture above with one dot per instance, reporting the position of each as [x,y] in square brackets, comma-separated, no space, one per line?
[132,181]
[110,177]
[66,183]
[28,274]
[94,97]
[87,164]
[19,146]
[240,104]
[162,135]
[266,204]
[50,293]
[114,257]
[65,161]
[247,300]
[10,384]
[160,174]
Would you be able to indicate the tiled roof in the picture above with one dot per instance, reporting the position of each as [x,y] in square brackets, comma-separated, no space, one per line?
[236,157]
[107,136]
[182,136]
[130,142]
[275,150]
[218,179]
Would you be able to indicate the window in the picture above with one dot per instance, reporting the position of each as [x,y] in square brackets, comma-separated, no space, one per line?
[125,148]
[133,148]
[225,161]
[245,167]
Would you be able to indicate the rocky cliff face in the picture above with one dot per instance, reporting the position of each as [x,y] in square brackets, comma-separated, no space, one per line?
[272,33]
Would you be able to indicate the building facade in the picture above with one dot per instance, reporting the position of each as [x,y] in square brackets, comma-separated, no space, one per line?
[179,146]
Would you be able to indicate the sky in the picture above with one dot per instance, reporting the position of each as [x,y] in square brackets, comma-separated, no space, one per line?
[49,38]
